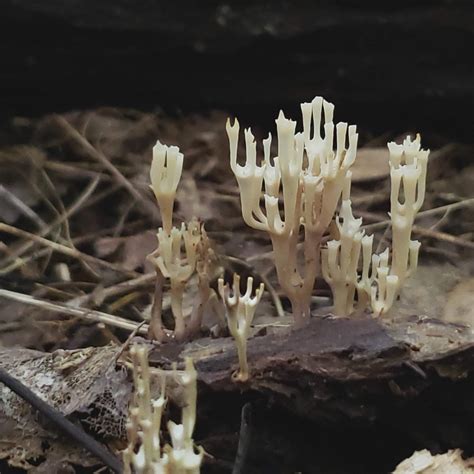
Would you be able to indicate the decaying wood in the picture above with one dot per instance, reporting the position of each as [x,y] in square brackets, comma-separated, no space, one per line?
[423,462]
[414,371]
[79,384]
[63,425]
[409,381]
[339,366]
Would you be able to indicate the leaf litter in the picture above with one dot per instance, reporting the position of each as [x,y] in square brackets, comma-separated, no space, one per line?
[80,182]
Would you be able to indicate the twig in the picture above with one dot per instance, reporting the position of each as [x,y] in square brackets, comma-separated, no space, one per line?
[127,342]
[122,219]
[453,239]
[21,206]
[429,212]
[84,313]
[104,193]
[60,210]
[114,290]
[61,422]
[71,252]
[97,155]
[427,232]
[441,221]
[47,228]
[382,224]
[138,224]
[73,172]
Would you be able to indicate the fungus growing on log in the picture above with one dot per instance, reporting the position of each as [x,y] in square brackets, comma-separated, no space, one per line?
[302,188]
[240,310]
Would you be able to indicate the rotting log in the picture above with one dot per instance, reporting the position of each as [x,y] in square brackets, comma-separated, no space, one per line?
[373,390]
[409,382]
[337,384]
[339,362]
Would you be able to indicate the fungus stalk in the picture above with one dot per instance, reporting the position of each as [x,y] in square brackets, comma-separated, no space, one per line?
[380,280]
[143,426]
[240,310]
[367,275]
[144,453]
[408,164]
[204,264]
[181,251]
[156,329]
[170,262]
[384,291]
[309,177]
[165,173]
[341,258]
[181,453]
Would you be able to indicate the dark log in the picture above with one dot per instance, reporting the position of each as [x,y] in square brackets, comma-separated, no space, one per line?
[340,396]
[387,65]
[346,384]
[333,365]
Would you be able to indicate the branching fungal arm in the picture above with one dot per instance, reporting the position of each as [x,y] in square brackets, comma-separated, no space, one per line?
[240,310]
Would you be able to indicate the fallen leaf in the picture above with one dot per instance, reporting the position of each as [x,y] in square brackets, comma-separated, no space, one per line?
[459,306]
[371,164]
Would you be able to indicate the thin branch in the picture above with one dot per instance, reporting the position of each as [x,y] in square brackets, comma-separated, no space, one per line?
[114,290]
[61,422]
[84,313]
[452,239]
[71,252]
[21,206]
[73,172]
[382,224]
[429,212]
[97,155]
[82,239]
[128,342]
[59,220]
[427,232]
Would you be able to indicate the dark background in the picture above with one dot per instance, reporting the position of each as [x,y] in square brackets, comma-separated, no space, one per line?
[388,66]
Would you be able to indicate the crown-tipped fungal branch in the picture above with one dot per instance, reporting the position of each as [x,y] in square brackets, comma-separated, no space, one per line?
[302,187]
[381,280]
[310,177]
[144,453]
[181,251]
[341,258]
[165,173]
[240,311]
[408,165]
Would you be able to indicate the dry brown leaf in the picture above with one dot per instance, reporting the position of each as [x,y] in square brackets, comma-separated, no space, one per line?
[132,249]
[371,164]
[426,291]
[423,462]
[459,306]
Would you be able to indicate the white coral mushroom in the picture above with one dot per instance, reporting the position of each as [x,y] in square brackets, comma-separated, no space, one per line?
[308,176]
[165,173]
[240,310]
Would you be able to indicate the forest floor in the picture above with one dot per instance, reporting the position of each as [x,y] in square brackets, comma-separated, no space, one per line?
[77,221]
